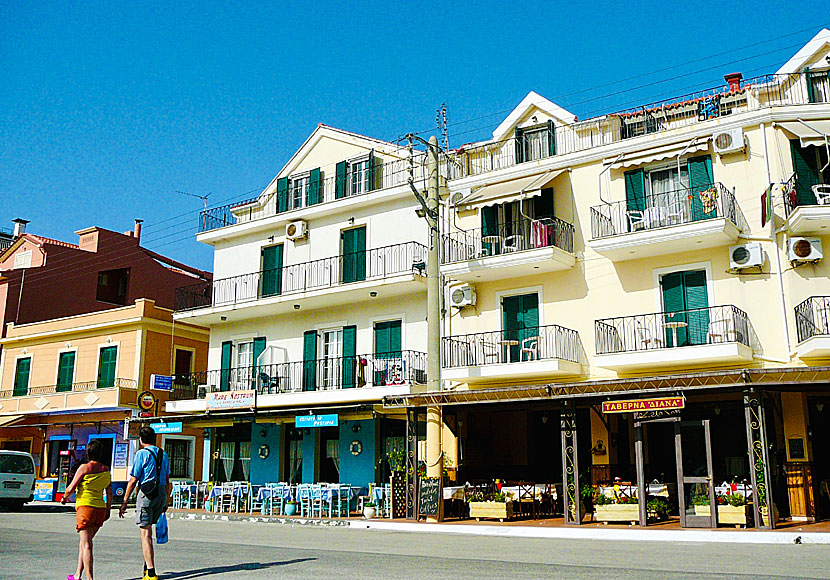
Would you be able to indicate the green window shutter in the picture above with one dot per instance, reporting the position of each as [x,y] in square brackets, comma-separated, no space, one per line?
[388,339]
[635,190]
[282,194]
[519,145]
[106,366]
[259,348]
[701,178]
[315,187]
[489,226]
[674,300]
[66,371]
[543,205]
[372,185]
[340,180]
[272,270]
[520,320]
[811,89]
[551,139]
[225,373]
[694,286]
[354,254]
[530,321]
[805,166]
[349,358]
[309,360]
[21,377]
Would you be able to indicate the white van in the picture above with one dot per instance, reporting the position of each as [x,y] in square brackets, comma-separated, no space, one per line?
[17,478]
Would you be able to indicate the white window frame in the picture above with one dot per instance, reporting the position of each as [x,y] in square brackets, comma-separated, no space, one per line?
[362,185]
[22,260]
[191,462]
[658,273]
[292,184]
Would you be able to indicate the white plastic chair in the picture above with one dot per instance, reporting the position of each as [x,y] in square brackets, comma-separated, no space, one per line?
[676,212]
[822,193]
[647,338]
[722,330]
[512,244]
[530,346]
[635,220]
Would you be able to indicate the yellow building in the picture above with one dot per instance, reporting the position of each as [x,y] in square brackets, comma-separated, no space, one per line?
[672,253]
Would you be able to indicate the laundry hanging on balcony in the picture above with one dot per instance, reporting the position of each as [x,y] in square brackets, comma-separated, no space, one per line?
[709,199]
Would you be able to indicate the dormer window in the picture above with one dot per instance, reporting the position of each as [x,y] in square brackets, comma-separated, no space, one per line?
[356,176]
[359,176]
[298,191]
[535,142]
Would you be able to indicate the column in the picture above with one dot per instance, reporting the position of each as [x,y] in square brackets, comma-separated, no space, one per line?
[570,465]
[758,460]
[435,459]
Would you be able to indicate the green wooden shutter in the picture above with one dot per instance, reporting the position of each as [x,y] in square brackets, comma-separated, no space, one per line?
[674,302]
[272,270]
[21,377]
[700,179]
[530,321]
[520,320]
[349,358]
[259,348]
[372,184]
[519,145]
[66,371]
[694,286]
[388,339]
[543,204]
[811,90]
[489,227]
[805,166]
[340,180]
[227,361]
[282,194]
[309,360]
[551,139]
[354,254]
[315,187]
[635,190]
[106,367]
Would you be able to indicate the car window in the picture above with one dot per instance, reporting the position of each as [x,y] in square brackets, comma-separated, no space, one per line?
[16,464]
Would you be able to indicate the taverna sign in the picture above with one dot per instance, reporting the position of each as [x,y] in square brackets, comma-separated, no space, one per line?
[638,405]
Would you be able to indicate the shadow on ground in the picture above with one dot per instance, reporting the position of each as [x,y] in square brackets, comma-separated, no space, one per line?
[219,570]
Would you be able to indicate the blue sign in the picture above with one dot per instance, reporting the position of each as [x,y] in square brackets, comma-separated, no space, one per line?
[161,382]
[315,421]
[162,428]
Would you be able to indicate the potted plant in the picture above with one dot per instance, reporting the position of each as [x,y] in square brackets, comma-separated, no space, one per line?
[493,505]
[734,509]
[369,510]
[290,507]
[658,509]
[620,508]
[700,502]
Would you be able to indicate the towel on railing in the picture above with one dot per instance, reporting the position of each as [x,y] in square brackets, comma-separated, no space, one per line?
[539,234]
[709,199]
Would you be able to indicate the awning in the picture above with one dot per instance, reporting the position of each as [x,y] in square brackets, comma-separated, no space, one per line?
[809,132]
[8,420]
[512,190]
[658,154]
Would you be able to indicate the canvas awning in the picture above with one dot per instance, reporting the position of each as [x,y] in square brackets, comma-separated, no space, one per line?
[658,154]
[9,420]
[512,190]
[809,132]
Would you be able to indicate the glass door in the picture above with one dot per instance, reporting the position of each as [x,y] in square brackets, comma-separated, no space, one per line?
[696,493]
[332,358]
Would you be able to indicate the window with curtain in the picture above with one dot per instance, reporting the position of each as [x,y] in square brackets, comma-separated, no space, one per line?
[666,186]
[331,355]
[227,450]
[333,452]
[359,176]
[244,364]
[245,459]
[298,191]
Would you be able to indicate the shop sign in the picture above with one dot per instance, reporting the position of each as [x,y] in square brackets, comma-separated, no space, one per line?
[640,405]
[167,428]
[119,456]
[315,421]
[146,401]
[161,382]
[230,400]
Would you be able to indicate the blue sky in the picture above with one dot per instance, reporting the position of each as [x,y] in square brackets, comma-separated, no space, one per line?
[107,109]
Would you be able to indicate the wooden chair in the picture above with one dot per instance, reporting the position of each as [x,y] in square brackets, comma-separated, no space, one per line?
[527,497]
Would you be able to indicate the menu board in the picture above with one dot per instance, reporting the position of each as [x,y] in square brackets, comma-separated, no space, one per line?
[120,454]
[429,496]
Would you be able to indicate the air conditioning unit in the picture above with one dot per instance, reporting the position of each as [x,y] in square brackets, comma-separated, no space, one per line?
[729,141]
[804,249]
[462,295]
[749,255]
[297,230]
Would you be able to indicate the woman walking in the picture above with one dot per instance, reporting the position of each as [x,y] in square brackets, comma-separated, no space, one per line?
[91,509]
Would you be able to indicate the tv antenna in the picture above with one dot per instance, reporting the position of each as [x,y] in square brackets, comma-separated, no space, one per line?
[202,197]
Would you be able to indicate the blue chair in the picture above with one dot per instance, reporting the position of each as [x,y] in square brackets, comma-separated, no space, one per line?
[340,500]
[257,501]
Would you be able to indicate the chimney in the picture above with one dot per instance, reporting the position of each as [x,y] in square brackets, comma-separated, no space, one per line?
[19,226]
[734,81]
[137,230]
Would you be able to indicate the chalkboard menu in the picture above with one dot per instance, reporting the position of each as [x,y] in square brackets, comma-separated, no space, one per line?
[429,496]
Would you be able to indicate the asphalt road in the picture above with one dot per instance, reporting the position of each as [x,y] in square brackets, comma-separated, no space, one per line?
[44,546]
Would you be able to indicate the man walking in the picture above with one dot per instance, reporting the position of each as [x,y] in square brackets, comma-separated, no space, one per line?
[151,474]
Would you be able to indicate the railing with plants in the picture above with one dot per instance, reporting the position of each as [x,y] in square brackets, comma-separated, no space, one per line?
[697,326]
[659,210]
[507,346]
[812,318]
[373,264]
[69,388]
[515,236]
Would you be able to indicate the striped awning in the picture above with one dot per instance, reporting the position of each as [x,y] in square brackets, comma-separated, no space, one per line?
[809,132]
[658,154]
[512,190]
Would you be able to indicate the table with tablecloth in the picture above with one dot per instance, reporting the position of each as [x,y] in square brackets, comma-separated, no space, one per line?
[744,489]
[628,490]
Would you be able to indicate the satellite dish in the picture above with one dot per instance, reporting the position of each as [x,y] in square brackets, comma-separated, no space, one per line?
[456,198]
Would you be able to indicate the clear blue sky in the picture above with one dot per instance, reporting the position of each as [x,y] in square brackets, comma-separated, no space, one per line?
[106,109]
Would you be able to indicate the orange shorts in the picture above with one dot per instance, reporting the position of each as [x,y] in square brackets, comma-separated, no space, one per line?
[89,518]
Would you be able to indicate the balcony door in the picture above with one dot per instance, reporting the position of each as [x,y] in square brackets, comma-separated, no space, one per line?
[272,270]
[685,303]
[520,323]
[353,254]
[388,361]
[331,358]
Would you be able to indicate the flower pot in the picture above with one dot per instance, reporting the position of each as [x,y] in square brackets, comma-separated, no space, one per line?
[369,512]
[290,509]
[623,512]
[500,510]
[735,515]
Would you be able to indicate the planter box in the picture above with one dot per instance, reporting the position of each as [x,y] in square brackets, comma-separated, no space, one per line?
[727,514]
[491,509]
[627,512]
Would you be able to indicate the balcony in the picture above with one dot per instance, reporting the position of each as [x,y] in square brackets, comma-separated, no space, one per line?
[344,279]
[366,377]
[667,223]
[807,203]
[516,249]
[812,323]
[86,396]
[717,335]
[528,354]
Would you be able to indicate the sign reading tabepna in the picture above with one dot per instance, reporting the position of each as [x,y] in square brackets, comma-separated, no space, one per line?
[638,405]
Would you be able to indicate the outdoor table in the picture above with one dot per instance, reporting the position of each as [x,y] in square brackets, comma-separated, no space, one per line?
[495,241]
[454,492]
[674,325]
[728,489]
[508,343]
[659,489]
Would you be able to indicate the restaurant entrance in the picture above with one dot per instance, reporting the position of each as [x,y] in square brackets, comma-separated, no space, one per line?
[696,492]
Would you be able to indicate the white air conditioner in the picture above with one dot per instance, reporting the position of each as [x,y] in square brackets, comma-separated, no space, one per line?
[296,230]
[462,295]
[729,141]
[804,249]
[749,255]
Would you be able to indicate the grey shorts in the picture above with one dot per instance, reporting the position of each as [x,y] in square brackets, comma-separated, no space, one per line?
[148,511]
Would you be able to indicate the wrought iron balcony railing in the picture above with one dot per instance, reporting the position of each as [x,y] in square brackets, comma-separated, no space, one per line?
[509,237]
[697,326]
[753,94]
[374,264]
[69,388]
[806,188]
[812,318]
[509,346]
[660,210]
[367,370]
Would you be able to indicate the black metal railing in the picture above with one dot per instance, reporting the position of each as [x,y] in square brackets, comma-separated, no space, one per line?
[812,318]
[70,388]
[508,237]
[800,190]
[508,346]
[753,94]
[711,325]
[404,367]
[682,206]
[373,264]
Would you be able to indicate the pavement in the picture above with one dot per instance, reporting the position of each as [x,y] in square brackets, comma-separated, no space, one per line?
[43,544]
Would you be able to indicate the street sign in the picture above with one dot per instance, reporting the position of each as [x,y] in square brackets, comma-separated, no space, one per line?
[633,405]
[315,421]
[161,382]
[165,428]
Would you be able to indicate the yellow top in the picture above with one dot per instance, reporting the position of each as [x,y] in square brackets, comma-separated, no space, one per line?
[91,488]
